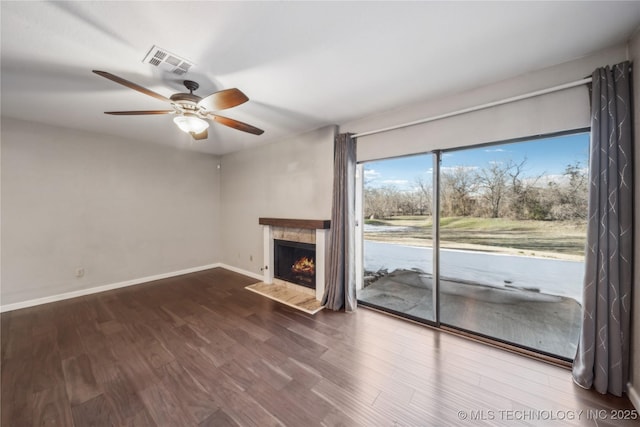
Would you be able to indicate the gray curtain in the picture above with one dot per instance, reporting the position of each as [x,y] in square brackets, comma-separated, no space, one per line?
[340,288]
[602,360]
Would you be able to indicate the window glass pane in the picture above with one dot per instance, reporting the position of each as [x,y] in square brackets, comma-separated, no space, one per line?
[397,229]
[513,230]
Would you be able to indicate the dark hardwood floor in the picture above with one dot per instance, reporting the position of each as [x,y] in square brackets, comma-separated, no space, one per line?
[200,350]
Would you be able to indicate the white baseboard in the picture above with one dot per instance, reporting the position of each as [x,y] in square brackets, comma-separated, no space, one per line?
[634,396]
[256,276]
[94,290]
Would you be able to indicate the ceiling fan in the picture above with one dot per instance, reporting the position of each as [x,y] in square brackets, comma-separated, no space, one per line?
[192,111]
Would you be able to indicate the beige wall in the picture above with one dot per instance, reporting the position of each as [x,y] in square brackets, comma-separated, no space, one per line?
[122,210]
[634,391]
[555,112]
[292,178]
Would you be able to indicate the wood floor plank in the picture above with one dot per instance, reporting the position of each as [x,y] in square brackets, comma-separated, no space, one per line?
[140,419]
[288,338]
[156,354]
[337,418]
[192,396]
[357,406]
[80,382]
[49,373]
[105,366]
[271,353]
[135,367]
[301,373]
[164,406]
[95,412]
[5,335]
[307,401]
[271,374]
[283,406]
[200,350]
[15,394]
[218,419]
[219,356]
[123,397]
[245,410]
[68,340]
[240,374]
[51,408]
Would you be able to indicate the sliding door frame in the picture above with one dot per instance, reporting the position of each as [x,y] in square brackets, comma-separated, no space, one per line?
[359,246]
[436,189]
[435,233]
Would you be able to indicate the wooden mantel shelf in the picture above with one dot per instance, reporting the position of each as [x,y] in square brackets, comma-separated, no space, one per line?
[313,224]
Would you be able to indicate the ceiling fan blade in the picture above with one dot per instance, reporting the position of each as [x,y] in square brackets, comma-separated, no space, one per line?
[139,113]
[222,100]
[237,125]
[198,136]
[131,85]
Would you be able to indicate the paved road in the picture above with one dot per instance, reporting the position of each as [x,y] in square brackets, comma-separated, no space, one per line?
[554,277]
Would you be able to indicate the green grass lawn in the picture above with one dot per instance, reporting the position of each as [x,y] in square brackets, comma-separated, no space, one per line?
[525,237]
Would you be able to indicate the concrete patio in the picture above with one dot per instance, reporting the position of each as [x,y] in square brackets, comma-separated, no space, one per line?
[547,323]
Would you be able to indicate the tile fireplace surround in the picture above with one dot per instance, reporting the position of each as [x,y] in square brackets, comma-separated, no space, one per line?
[296,230]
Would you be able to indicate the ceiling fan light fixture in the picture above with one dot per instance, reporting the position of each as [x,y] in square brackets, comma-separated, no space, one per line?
[190,123]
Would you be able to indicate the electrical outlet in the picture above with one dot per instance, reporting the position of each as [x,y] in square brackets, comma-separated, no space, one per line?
[79,272]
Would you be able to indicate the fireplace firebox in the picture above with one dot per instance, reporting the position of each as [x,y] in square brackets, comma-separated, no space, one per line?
[295,262]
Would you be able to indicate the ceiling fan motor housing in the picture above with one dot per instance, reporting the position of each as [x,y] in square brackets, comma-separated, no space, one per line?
[187,102]
[184,102]
[191,85]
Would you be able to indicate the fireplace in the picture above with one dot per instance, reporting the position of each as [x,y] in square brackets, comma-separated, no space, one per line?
[295,262]
[312,234]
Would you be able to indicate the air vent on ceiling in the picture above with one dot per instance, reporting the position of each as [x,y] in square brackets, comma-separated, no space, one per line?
[167,61]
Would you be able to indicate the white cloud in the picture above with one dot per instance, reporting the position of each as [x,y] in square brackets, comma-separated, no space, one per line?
[456,168]
[396,181]
[545,180]
[495,150]
[371,173]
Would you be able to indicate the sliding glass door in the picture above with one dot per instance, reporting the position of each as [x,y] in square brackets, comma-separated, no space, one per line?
[397,228]
[512,232]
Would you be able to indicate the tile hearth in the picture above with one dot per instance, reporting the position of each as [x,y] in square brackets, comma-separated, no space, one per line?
[288,295]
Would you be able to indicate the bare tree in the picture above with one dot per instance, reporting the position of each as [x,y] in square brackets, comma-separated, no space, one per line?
[458,187]
[493,181]
[381,202]
[500,189]
[571,197]
[523,194]
[424,192]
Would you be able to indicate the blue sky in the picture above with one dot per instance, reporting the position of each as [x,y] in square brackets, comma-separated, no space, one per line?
[548,156]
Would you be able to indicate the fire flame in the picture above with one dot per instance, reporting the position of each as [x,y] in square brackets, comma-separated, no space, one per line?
[304,265]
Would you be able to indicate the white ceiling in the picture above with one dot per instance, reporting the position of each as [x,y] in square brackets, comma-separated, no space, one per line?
[302,64]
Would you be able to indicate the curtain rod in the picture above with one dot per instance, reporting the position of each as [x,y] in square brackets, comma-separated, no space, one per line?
[478,107]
